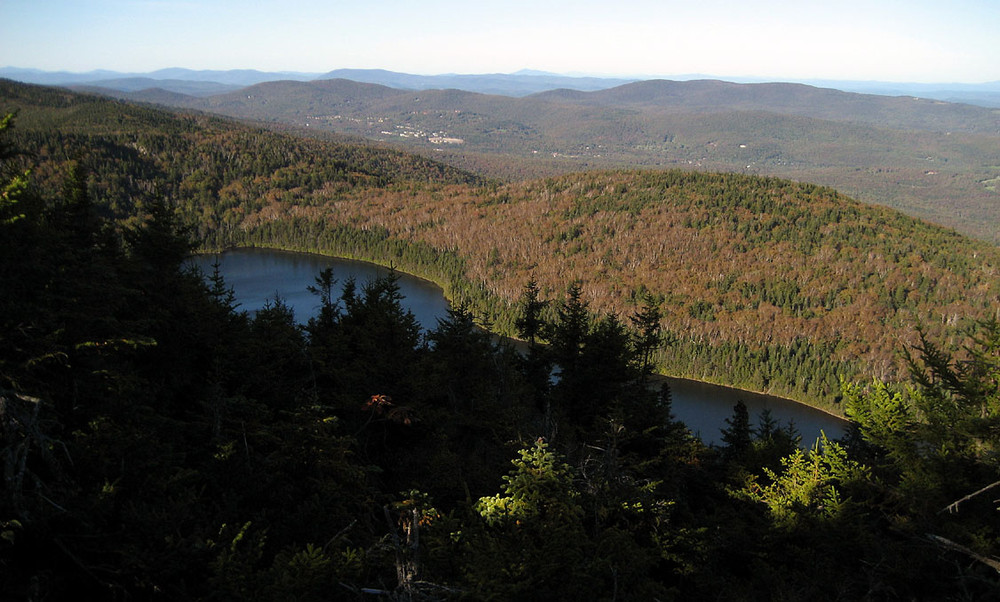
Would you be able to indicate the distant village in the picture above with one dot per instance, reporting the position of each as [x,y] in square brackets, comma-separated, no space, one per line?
[400,131]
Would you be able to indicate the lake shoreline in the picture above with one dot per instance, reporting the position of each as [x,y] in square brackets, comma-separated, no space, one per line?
[830,413]
[713,388]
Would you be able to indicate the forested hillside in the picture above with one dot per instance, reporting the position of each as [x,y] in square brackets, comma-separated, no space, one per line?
[212,168]
[159,444]
[762,283]
[713,96]
[930,159]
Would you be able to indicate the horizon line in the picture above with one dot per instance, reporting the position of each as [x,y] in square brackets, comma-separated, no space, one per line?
[528,72]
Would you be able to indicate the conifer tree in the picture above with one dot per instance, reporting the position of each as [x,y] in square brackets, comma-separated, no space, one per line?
[737,436]
[535,545]
[648,335]
[531,324]
[13,182]
[569,333]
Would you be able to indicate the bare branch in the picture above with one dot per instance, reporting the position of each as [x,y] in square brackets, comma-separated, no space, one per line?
[953,507]
[950,545]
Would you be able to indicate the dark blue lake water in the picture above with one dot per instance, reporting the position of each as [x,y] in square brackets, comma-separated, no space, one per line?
[258,276]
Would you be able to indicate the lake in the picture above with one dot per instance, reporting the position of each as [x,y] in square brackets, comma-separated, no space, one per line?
[258,276]
[704,407]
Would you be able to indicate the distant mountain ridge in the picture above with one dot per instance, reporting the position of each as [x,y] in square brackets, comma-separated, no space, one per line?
[936,160]
[144,84]
[985,94]
[933,159]
[179,80]
[520,83]
[234,77]
[268,101]
[789,99]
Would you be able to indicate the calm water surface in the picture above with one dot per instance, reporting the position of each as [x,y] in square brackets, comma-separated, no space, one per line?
[704,408]
[258,276]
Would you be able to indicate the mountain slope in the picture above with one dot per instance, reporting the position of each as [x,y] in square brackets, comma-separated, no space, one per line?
[213,168]
[905,113]
[764,283]
[933,160]
[512,84]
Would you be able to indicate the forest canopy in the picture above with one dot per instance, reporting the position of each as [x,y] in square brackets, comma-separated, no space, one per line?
[763,283]
[158,443]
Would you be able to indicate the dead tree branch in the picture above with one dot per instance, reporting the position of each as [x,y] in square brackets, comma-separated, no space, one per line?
[953,507]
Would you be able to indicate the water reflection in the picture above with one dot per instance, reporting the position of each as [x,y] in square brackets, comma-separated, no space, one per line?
[258,276]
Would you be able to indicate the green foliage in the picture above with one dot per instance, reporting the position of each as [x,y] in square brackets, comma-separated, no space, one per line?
[538,490]
[535,532]
[812,486]
[12,185]
[737,434]
[158,443]
[884,418]
[303,575]
[936,442]
[958,400]
[238,559]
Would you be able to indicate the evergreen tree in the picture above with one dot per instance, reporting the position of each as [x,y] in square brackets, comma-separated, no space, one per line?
[737,436]
[534,546]
[648,333]
[568,334]
[323,288]
[13,182]
[530,324]
[937,442]
[463,357]
[772,442]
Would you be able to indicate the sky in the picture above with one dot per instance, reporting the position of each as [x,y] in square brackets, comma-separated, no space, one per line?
[782,40]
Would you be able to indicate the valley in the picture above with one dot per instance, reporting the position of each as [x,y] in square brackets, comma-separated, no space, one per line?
[764,283]
[516,301]
[928,158]
[161,443]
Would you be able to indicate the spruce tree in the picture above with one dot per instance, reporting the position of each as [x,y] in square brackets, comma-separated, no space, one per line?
[737,436]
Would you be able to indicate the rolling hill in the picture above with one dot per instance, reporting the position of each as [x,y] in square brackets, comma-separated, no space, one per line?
[764,283]
[521,83]
[934,160]
[713,96]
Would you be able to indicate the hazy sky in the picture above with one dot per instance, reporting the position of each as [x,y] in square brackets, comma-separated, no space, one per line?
[890,40]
